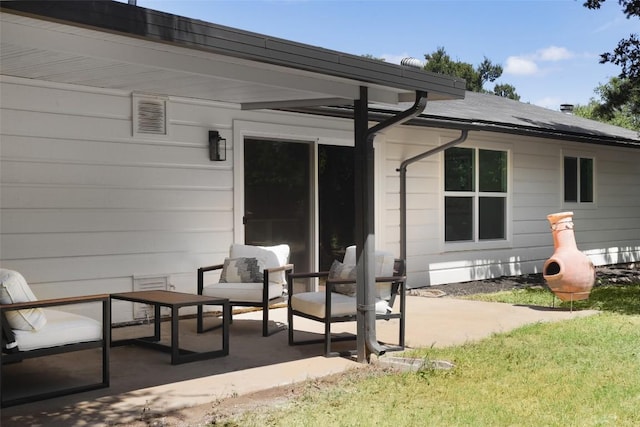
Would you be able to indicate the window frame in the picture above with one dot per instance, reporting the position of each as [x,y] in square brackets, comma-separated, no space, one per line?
[476,194]
[578,155]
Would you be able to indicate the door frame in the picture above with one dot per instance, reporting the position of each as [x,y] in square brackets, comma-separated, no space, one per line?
[314,135]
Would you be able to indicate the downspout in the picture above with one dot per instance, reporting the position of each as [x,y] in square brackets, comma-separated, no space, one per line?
[365,244]
[403,185]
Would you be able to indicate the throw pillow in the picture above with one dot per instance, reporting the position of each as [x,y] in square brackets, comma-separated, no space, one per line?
[242,270]
[340,271]
[14,288]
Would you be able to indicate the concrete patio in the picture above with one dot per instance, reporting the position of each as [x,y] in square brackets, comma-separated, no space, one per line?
[144,380]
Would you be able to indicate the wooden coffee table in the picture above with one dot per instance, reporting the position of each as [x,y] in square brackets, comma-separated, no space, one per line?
[175,301]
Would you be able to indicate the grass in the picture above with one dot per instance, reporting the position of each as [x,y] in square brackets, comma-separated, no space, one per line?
[581,372]
[609,298]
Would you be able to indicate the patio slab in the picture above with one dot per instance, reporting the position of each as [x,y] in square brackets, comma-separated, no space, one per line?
[144,380]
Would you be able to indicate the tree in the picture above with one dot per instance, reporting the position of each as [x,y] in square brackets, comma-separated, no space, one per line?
[440,62]
[626,92]
[622,116]
[506,91]
[370,56]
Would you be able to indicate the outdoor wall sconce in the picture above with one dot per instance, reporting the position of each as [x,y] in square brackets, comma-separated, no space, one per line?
[217,147]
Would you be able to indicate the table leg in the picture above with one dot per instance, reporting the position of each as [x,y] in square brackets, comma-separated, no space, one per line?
[156,322]
[175,325]
[226,320]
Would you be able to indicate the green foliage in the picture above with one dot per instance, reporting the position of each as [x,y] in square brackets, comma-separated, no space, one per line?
[580,372]
[627,56]
[621,115]
[370,56]
[611,298]
[506,91]
[440,62]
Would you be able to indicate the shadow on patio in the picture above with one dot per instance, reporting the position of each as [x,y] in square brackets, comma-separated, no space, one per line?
[143,380]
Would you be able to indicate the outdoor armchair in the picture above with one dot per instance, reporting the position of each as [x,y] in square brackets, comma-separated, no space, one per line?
[252,276]
[337,302]
[33,328]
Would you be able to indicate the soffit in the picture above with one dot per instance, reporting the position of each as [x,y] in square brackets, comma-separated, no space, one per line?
[51,50]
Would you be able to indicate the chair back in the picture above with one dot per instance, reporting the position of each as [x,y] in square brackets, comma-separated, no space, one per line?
[271,256]
[385,263]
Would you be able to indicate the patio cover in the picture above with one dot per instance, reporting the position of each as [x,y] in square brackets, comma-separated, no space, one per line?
[109,44]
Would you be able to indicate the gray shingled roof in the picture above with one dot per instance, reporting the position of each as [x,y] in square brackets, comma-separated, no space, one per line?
[488,109]
[491,113]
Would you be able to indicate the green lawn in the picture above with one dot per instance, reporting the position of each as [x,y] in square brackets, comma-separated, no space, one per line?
[581,372]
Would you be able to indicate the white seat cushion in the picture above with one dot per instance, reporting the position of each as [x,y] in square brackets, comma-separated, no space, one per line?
[313,303]
[62,328]
[14,288]
[245,292]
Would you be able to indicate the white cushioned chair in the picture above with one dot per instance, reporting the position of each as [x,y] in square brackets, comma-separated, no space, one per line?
[36,328]
[337,303]
[252,276]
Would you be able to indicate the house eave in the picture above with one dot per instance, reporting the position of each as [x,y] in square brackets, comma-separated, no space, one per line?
[425,120]
[151,25]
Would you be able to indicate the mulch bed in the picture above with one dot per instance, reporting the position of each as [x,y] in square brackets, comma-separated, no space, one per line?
[620,274]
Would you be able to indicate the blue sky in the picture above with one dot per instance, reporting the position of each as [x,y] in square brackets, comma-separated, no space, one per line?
[549,49]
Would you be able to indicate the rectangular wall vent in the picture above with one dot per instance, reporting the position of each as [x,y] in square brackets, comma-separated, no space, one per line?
[149,115]
[149,283]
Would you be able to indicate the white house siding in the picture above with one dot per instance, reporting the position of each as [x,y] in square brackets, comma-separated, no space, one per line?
[86,207]
[608,230]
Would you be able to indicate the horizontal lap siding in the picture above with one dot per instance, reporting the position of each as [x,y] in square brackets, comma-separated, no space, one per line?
[609,231]
[85,206]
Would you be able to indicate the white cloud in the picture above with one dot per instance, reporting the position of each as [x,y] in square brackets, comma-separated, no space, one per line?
[521,66]
[553,53]
[527,64]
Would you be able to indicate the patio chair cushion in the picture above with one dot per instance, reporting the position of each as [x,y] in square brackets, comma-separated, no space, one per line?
[271,256]
[384,268]
[313,303]
[62,328]
[340,271]
[242,270]
[245,292]
[14,288]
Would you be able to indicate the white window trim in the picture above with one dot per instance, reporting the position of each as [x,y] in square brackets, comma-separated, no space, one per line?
[571,206]
[475,245]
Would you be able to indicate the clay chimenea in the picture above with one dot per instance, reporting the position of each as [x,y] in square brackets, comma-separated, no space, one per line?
[569,273]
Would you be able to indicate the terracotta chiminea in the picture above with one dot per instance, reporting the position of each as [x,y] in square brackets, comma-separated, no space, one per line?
[569,273]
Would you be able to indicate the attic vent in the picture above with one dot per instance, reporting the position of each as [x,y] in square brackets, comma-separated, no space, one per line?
[411,62]
[149,115]
[149,283]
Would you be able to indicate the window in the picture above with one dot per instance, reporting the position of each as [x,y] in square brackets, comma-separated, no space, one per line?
[475,194]
[578,179]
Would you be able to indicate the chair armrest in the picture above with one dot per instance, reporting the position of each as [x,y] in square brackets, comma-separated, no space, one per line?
[391,279]
[286,267]
[377,280]
[54,302]
[211,267]
[309,275]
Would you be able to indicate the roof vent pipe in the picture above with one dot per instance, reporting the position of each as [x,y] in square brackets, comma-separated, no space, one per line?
[403,186]
[411,62]
[566,108]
